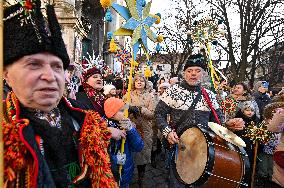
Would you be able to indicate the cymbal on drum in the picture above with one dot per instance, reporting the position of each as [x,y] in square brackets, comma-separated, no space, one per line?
[226,134]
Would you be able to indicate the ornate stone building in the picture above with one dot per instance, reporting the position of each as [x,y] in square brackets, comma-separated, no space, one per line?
[82,26]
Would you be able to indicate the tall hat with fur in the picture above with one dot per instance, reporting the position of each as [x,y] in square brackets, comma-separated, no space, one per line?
[27,32]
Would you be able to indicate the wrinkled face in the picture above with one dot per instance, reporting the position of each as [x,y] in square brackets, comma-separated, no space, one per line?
[37,80]
[248,112]
[238,90]
[192,75]
[96,81]
[139,83]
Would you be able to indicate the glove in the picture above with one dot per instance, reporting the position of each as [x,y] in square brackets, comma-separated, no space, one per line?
[134,110]
[126,124]
[121,158]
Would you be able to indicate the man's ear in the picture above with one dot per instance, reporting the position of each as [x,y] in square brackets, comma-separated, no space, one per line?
[6,76]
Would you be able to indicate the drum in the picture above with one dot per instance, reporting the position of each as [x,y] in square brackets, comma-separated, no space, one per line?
[206,160]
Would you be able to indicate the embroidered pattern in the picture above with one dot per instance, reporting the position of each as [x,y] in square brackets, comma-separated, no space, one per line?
[180,98]
[15,153]
[53,117]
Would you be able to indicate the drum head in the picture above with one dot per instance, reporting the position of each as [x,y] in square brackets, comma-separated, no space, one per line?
[226,134]
[192,155]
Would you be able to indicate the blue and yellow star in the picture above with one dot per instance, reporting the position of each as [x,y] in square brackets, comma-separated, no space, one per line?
[138,23]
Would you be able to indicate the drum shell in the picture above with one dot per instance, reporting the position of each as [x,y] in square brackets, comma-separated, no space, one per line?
[226,164]
[229,165]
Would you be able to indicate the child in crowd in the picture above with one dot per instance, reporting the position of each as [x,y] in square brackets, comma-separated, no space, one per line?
[247,113]
[109,91]
[114,110]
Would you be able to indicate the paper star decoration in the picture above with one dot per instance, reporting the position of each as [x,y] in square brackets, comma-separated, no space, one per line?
[123,56]
[205,31]
[138,23]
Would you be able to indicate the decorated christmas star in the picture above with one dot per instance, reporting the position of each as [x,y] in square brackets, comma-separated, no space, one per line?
[229,105]
[258,133]
[123,56]
[138,23]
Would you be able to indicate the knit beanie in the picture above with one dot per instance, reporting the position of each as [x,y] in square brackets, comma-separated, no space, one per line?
[89,70]
[246,105]
[112,105]
[108,88]
[258,84]
[269,109]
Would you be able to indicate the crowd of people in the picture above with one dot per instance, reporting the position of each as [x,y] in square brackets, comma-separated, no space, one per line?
[57,137]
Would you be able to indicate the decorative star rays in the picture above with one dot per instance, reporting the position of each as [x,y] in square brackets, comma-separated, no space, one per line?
[205,32]
[138,23]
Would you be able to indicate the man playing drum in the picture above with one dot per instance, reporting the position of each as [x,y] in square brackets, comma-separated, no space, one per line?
[189,105]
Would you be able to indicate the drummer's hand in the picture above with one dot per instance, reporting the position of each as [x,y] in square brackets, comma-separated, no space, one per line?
[172,138]
[235,124]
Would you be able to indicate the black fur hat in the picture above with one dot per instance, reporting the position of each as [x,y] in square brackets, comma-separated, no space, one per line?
[196,60]
[27,32]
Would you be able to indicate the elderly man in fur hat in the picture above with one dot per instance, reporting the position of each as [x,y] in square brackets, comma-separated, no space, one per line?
[188,105]
[43,131]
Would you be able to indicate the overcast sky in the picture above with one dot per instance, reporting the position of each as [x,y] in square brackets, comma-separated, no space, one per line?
[160,5]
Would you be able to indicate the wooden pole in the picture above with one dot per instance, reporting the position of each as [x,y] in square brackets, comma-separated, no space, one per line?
[1,97]
[254,165]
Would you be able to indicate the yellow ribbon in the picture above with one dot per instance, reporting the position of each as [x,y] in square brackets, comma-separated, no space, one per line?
[213,73]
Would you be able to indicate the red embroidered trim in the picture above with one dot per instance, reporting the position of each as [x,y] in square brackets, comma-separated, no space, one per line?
[94,141]
[15,146]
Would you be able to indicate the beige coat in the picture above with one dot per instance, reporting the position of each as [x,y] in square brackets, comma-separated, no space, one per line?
[277,125]
[144,123]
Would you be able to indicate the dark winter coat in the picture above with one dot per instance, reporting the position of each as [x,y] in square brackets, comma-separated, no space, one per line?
[176,100]
[248,121]
[43,176]
[86,103]
[262,99]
